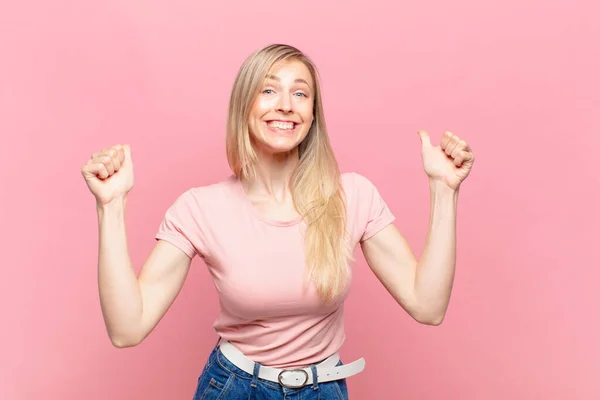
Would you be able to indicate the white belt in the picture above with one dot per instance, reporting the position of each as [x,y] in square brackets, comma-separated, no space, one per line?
[294,378]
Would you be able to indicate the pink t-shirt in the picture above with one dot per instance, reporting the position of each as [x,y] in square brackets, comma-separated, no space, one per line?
[257,266]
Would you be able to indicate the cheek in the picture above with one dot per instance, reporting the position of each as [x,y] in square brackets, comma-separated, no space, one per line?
[258,111]
[304,108]
[307,114]
[262,106]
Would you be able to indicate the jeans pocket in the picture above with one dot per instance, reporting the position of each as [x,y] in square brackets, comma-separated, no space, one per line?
[214,383]
[342,389]
[332,390]
[216,390]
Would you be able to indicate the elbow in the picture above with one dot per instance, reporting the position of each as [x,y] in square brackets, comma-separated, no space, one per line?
[431,319]
[431,313]
[124,342]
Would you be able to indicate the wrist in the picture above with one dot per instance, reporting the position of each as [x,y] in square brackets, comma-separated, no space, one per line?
[444,199]
[116,205]
[442,188]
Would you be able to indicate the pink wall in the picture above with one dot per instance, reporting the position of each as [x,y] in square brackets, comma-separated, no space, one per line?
[518,79]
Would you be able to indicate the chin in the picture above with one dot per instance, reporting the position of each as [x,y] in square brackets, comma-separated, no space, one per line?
[279,148]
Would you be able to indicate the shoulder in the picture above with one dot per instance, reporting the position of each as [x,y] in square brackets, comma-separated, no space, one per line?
[356,184]
[223,187]
[197,197]
[360,191]
[367,211]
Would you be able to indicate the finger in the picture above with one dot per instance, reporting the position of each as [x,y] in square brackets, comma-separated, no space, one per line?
[106,150]
[127,152]
[460,146]
[106,160]
[117,153]
[451,146]
[98,157]
[116,160]
[458,160]
[120,153]
[446,137]
[91,170]
[469,156]
[425,139]
[462,157]
[99,154]
[108,164]
[452,142]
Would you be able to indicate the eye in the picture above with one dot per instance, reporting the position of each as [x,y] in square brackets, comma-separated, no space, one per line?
[301,94]
[268,91]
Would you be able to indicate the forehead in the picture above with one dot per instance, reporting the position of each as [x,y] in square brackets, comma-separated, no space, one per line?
[289,71]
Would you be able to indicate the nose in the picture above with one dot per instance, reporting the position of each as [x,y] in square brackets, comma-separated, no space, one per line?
[284,104]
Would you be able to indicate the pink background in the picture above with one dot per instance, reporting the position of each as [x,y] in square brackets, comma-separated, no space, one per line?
[519,80]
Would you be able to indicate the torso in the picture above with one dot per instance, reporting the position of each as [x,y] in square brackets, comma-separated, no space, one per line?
[255,255]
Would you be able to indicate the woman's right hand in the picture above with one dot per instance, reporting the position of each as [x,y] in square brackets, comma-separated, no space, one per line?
[109,173]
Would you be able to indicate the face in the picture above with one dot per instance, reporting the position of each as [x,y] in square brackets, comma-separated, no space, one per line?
[282,114]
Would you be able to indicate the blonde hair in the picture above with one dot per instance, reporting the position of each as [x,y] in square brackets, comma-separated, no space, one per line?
[316,182]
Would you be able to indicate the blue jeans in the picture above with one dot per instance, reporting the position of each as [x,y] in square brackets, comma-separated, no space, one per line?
[222,380]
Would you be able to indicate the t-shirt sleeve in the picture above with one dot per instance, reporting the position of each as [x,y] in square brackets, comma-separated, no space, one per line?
[372,207]
[182,226]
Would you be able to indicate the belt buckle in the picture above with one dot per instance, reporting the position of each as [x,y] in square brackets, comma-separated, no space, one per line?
[279,377]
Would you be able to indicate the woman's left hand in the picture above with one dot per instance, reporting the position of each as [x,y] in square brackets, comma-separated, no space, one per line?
[448,163]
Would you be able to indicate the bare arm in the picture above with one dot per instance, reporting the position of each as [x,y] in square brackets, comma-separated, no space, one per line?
[133,305]
[422,287]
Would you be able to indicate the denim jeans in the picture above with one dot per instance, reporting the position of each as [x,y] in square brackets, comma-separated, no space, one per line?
[222,380]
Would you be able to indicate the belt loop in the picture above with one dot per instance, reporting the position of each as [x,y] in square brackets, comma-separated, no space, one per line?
[218,342]
[315,377]
[255,374]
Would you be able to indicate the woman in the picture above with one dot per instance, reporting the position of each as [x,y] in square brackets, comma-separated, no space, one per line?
[277,237]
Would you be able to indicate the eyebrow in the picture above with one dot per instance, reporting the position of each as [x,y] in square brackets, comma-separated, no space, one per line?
[300,80]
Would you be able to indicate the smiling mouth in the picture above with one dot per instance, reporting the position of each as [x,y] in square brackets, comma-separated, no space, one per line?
[281,126]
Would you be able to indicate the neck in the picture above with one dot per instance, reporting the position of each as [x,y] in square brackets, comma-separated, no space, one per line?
[274,172]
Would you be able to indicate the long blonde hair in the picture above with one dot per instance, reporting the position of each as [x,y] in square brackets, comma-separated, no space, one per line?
[316,182]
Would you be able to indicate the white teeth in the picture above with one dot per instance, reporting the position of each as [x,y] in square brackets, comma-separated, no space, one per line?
[281,125]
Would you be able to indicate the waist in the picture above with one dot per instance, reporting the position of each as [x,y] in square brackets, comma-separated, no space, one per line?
[327,370]
[284,348]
